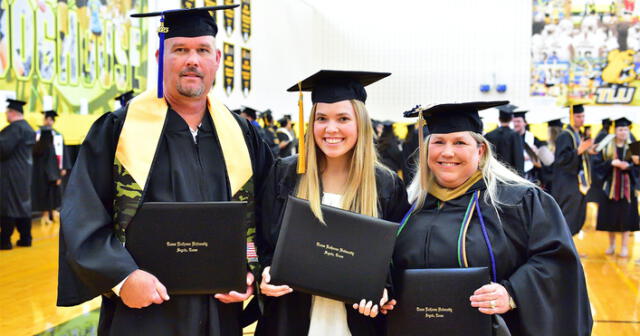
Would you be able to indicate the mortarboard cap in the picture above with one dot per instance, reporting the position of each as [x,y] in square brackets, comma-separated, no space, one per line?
[520,114]
[555,123]
[506,111]
[449,118]
[250,111]
[16,105]
[330,86]
[622,122]
[606,121]
[50,113]
[125,97]
[190,22]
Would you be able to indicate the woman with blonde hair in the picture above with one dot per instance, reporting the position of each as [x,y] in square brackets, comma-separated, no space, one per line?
[340,169]
[471,211]
[618,209]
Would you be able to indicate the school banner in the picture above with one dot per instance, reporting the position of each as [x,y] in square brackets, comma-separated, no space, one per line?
[246,71]
[78,55]
[229,17]
[245,19]
[586,50]
[228,63]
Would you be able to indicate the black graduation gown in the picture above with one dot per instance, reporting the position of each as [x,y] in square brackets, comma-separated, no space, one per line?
[269,137]
[45,193]
[390,153]
[595,193]
[290,314]
[16,161]
[508,147]
[536,259]
[92,259]
[622,215]
[410,156]
[287,150]
[566,167]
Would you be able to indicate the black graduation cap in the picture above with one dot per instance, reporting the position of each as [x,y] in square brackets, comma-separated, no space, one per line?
[555,123]
[50,114]
[124,98]
[330,86]
[449,118]
[15,104]
[579,108]
[506,111]
[190,22]
[606,121]
[520,114]
[253,113]
[622,122]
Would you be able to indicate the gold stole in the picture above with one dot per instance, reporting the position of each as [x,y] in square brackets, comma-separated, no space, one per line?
[446,194]
[583,184]
[143,126]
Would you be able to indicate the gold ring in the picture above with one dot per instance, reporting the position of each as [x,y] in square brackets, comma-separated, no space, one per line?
[493,304]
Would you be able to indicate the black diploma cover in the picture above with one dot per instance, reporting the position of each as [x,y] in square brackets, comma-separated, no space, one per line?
[436,302]
[347,259]
[191,247]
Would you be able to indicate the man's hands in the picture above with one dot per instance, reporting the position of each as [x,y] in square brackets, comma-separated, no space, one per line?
[141,289]
[585,145]
[234,296]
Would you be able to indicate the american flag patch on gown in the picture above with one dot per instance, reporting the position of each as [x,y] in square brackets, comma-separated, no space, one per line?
[252,256]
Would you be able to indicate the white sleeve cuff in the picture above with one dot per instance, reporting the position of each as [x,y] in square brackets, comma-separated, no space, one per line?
[117,288]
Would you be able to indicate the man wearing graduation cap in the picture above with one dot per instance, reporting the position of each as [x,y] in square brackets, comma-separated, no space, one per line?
[49,166]
[530,146]
[506,142]
[16,143]
[176,144]
[572,170]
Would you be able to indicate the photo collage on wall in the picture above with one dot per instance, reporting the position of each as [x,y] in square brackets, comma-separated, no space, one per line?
[587,50]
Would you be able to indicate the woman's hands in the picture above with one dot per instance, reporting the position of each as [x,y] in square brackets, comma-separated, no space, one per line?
[371,310]
[271,290]
[491,299]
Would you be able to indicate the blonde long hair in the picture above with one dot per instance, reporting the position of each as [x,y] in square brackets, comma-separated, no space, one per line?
[361,194]
[493,173]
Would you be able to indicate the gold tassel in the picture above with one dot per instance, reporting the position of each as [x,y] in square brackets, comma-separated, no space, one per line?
[302,155]
[571,116]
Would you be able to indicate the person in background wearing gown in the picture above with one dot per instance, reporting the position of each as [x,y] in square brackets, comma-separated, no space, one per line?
[16,162]
[389,148]
[203,152]
[48,170]
[617,168]
[554,128]
[572,171]
[342,170]
[530,145]
[410,154]
[513,228]
[286,138]
[506,142]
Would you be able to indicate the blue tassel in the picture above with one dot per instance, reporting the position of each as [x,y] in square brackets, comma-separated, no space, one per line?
[161,33]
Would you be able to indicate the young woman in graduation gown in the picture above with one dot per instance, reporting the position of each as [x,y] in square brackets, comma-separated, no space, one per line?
[618,210]
[341,170]
[515,229]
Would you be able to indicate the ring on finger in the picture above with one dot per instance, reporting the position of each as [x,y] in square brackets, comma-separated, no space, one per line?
[493,304]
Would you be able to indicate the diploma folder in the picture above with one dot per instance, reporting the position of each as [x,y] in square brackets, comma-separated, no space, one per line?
[191,247]
[436,302]
[347,259]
